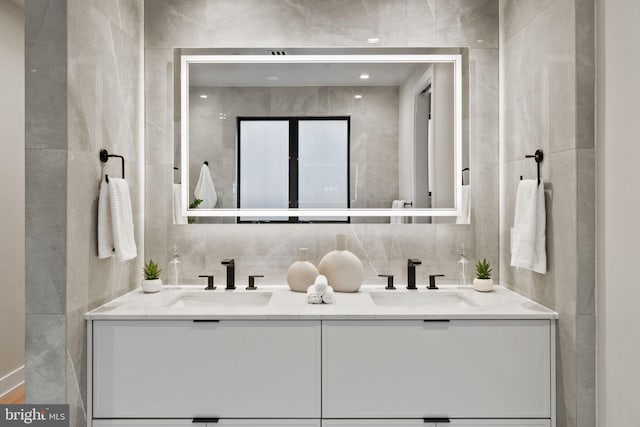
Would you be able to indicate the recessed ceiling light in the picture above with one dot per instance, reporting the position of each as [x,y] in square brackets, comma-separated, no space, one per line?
[364,76]
[273,78]
[203,96]
[479,41]
[358,96]
[373,40]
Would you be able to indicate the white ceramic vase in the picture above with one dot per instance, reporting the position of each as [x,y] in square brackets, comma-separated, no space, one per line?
[302,273]
[483,285]
[151,286]
[342,268]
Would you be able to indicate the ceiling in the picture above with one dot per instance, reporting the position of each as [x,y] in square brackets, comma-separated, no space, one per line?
[274,74]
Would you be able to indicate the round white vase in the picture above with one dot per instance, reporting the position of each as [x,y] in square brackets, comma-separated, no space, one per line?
[483,285]
[151,286]
[302,273]
[342,268]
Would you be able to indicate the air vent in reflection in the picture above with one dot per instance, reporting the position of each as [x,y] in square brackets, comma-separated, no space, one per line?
[278,52]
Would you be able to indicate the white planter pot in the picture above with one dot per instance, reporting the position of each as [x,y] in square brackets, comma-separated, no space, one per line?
[302,273]
[151,286]
[483,285]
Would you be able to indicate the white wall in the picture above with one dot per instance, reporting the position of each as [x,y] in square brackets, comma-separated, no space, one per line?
[11,193]
[618,154]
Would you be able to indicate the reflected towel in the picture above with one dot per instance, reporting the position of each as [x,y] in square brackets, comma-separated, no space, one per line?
[528,236]
[205,190]
[178,218]
[465,206]
[398,204]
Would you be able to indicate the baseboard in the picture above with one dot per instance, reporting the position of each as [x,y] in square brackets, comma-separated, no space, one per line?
[11,380]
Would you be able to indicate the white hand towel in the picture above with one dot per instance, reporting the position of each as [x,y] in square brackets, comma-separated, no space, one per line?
[528,238]
[313,297]
[105,229]
[328,297]
[122,220]
[205,190]
[465,208]
[178,218]
[321,284]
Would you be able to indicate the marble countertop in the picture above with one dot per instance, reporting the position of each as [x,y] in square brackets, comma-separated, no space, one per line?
[458,302]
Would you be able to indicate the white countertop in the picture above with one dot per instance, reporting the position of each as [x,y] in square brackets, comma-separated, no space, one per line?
[285,304]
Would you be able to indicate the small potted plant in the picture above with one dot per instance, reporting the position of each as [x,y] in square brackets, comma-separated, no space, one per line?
[151,282]
[483,281]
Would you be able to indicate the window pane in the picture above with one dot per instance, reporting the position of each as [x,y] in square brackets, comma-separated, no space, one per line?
[323,148]
[264,165]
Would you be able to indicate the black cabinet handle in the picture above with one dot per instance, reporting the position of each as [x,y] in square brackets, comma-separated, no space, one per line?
[205,420]
[436,420]
[206,321]
[436,320]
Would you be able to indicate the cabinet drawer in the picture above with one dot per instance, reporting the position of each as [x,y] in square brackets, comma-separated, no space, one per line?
[421,423]
[456,369]
[184,423]
[229,369]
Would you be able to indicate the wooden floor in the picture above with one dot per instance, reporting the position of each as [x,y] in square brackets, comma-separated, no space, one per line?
[14,397]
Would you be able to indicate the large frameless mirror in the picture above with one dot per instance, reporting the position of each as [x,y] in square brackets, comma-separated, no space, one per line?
[317,135]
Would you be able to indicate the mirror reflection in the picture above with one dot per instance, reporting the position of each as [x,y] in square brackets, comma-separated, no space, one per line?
[355,135]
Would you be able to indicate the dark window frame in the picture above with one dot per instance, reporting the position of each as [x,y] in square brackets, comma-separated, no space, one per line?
[293,163]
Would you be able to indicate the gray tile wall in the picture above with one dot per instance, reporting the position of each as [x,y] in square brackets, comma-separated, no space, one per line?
[83,93]
[270,249]
[547,98]
[46,221]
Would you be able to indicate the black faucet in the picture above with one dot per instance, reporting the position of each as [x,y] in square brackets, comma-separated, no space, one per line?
[432,280]
[411,273]
[210,285]
[389,280]
[252,282]
[231,273]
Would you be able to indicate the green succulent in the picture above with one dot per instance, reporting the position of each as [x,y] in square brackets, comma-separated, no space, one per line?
[151,270]
[483,269]
[194,205]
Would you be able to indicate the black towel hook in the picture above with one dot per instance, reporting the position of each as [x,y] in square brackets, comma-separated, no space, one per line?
[539,157]
[104,158]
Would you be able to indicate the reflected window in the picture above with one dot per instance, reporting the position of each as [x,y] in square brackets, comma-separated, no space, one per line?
[293,162]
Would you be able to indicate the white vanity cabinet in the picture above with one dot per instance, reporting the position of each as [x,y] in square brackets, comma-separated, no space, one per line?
[329,373]
[492,369]
[222,369]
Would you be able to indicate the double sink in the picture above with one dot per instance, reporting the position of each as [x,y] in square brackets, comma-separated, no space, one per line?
[390,299]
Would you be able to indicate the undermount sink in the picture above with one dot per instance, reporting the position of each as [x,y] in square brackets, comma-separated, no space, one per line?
[219,299]
[419,299]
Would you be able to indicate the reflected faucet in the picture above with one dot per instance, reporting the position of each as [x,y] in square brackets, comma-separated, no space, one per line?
[411,273]
[231,273]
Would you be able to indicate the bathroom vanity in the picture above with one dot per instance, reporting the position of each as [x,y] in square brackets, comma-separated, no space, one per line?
[375,358]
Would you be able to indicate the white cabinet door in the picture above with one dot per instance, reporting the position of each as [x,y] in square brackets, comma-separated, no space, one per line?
[145,423]
[421,423]
[497,423]
[184,369]
[184,423]
[456,369]
[267,423]
[375,423]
